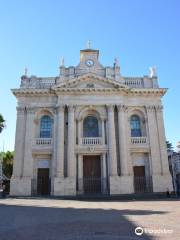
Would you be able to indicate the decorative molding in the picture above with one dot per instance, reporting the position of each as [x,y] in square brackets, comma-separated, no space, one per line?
[90,76]
[121,90]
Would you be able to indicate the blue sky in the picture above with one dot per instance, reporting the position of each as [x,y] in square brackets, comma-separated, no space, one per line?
[140,33]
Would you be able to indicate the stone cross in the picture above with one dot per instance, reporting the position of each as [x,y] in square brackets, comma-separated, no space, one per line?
[88,44]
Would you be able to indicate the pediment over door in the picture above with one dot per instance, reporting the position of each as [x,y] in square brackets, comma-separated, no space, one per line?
[90,81]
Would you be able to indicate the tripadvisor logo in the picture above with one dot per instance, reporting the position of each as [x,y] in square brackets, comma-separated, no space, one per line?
[139,231]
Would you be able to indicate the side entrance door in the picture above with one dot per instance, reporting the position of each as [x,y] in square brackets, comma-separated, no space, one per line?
[92,174]
[139,179]
[43,182]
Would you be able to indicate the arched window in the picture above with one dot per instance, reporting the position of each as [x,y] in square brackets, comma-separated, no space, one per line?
[46,127]
[90,127]
[135,126]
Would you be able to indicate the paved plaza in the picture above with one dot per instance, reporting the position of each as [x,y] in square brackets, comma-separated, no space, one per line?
[54,219]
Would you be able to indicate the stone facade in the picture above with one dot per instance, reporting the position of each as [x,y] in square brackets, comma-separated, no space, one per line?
[130,152]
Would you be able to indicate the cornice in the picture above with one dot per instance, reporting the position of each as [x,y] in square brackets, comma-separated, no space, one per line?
[148,91]
[32,92]
[57,91]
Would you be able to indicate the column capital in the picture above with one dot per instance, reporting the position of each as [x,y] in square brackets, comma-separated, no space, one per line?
[150,108]
[71,108]
[60,108]
[103,118]
[78,118]
[30,110]
[110,107]
[122,108]
[159,108]
[20,110]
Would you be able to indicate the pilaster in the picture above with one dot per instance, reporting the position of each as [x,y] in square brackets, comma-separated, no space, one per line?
[154,143]
[60,142]
[162,140]
[19,142]
[112,141]
[123,140]
[71,142]
[28,159]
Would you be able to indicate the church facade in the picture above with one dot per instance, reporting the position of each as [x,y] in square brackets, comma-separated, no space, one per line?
[89,130]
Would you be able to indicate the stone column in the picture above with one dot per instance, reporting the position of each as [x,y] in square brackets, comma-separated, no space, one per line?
[23,165]
[19,143]
[60,142]
[162,140]
[112,142]
[123,140]
[103,131]
[80,173]
[79,130]
[54,157]
[29,137]
[104,173]
[80,166]
[154,143]
[104,165]
[71,143]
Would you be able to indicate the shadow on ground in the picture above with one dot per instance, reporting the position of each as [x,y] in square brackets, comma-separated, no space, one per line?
[52,223]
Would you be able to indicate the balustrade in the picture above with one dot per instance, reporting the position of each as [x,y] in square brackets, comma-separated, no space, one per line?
[43,141]
[134,83]
[91,141]
[138,140]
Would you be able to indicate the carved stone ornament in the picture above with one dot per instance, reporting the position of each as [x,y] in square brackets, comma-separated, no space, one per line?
[91,149]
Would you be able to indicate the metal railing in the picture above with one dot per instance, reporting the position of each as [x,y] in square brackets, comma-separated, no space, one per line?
[138,140]
[92,185]
[143,184]
[91,141]
[40,187]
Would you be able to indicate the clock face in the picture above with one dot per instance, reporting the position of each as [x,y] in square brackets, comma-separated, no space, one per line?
[89,63]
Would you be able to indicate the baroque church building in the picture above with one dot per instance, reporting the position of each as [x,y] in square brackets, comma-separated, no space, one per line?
[89,130]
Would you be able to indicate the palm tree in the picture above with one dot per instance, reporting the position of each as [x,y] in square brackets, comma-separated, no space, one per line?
[169,146]
[7,163]
[2,123]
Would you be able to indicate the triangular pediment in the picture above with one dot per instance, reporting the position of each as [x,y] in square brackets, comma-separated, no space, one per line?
[90,81]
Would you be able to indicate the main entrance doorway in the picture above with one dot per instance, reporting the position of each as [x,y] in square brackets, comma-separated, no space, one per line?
[43,181]
[139,179]
[92,174]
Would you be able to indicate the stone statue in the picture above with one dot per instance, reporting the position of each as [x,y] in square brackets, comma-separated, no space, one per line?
[62,62]
[116,62]
[153,72]
[25,71]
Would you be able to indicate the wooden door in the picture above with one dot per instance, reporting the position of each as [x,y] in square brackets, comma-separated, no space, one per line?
[92,174]
[43,183]
[139,179]
[139,171]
